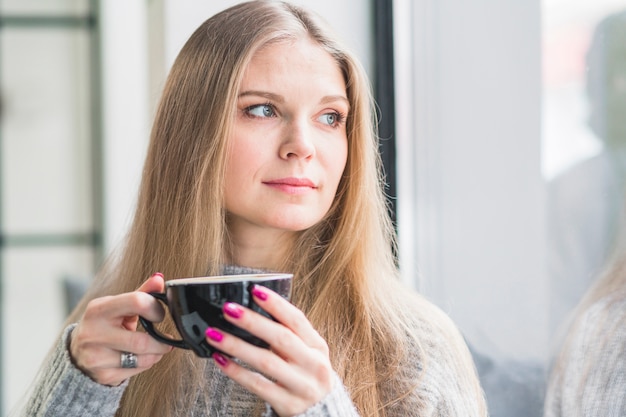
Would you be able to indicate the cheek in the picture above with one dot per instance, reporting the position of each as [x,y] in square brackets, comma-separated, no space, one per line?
[241,157]
[236,170]
[337,161]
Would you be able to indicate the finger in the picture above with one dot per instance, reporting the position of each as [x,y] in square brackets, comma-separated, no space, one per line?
[95,338]
[136,342]
[282,340]
[288,315]
[253,381]
[130,304]
[281,399]
[107,370]
[155,283]
[143,361]
[262,360]
[92,354]
[104,358]
[104,324]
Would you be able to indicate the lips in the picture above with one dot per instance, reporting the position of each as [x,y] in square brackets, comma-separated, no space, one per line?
[291,185]
[294,182]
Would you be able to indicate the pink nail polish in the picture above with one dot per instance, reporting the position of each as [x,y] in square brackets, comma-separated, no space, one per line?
[220,359]
[214,335]
[259,293]
[233,310]
[157,274]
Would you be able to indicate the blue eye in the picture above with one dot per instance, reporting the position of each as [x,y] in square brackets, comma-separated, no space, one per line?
[331,119]
[261,110]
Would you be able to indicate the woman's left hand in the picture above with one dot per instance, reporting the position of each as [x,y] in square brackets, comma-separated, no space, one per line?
[295,373]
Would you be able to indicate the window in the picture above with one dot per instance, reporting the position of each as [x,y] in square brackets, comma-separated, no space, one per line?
[471,196]
[49,177]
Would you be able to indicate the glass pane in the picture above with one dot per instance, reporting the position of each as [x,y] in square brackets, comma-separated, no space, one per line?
[584,142]
[34,308]
[45,7]
[45,131]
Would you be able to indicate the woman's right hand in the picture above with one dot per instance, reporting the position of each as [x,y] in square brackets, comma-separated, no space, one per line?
[108,328]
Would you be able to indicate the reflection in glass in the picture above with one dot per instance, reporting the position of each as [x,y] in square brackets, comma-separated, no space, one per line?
[584,151]
[587,237]
[587,378]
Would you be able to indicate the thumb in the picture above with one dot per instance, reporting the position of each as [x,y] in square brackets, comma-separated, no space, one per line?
[155,283]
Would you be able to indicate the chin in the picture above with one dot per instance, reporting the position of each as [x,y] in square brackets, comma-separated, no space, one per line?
[294,227]
[289,225]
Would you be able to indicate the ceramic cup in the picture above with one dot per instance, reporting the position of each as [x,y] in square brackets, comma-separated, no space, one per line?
[196,304]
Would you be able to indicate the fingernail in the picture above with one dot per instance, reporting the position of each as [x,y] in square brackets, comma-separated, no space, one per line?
[259,293]
[158,274]
[220,359]
[213,334]
[233,310]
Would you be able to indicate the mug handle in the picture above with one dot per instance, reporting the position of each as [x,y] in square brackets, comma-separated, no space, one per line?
[149,326]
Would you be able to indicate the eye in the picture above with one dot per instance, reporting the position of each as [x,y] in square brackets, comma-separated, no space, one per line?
[261,110]
[333,119]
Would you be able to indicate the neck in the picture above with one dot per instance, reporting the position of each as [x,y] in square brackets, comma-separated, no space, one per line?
[260,248]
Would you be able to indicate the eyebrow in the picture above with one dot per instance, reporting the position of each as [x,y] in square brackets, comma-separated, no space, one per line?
[265,94]
[330,99]
[280,99]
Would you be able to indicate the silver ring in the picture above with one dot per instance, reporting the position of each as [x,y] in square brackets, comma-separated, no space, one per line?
[128,360]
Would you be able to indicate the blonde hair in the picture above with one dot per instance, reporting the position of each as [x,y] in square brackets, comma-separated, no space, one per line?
[345,273]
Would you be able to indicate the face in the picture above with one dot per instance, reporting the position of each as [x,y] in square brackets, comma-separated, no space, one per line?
[289,145]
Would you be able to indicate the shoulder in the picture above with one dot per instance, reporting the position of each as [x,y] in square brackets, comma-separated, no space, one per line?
[606,317]
[439,359]
[438,336]
[589,371]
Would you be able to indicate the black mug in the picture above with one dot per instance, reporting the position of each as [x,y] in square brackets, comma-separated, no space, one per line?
[196,304]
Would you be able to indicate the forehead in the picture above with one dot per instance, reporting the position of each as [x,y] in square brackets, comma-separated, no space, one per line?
[292,57]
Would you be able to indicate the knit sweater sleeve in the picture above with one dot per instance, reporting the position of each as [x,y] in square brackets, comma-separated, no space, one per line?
[62,389]
[592,378]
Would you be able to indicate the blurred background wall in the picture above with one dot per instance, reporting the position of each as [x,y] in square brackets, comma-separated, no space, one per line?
[492,112]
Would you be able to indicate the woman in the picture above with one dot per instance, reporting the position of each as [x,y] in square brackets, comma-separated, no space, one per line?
[263,157]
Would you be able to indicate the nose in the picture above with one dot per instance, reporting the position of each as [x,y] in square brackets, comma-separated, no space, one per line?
[297,141]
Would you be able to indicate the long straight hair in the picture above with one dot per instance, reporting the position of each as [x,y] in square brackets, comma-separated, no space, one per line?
[346,280]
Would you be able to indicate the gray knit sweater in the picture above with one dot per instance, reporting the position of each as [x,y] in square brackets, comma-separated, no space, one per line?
[64,391]
[592,381]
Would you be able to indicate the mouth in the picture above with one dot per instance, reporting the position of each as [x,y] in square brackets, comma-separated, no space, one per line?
[292,185]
